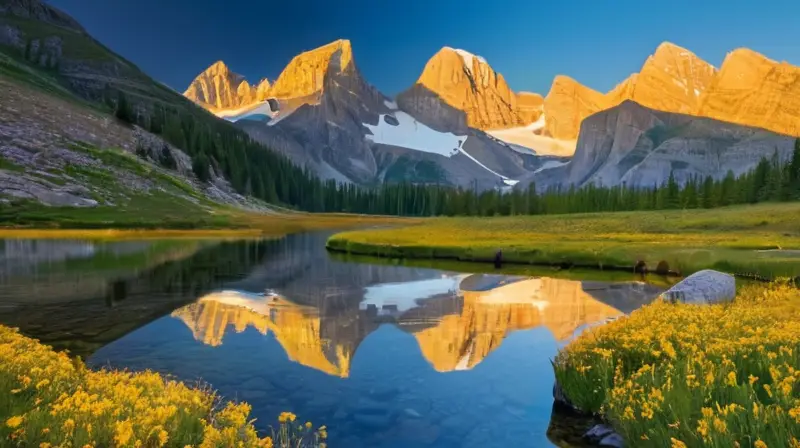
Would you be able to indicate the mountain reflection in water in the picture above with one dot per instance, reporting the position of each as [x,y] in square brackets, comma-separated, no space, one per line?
[386,355]
[457,320]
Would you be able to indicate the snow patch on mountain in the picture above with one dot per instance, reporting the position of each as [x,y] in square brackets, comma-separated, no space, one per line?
[467,57]
[253,111]
[409,133]
[527,137]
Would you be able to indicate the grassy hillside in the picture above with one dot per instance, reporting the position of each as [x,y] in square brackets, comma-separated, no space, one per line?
[762,239]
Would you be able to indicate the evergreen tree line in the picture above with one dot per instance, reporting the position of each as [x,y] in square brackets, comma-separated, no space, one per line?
[255,170]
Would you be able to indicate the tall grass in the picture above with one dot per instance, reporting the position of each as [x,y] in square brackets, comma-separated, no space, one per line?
[50,400]
[739,239]
[683,375]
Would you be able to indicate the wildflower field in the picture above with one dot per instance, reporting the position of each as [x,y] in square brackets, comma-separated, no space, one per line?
[50,400]
[758,239]
[684,375]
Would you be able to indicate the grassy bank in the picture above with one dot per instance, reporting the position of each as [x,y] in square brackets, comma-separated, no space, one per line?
[50,400]
[740,239]
[683,375]
[37,221]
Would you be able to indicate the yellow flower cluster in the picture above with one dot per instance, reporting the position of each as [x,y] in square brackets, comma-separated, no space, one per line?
[50,400]
[683,375]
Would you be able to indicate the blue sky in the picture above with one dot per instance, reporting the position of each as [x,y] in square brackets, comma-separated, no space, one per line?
[529,41]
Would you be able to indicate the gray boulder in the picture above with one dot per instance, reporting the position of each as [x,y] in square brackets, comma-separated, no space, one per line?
[703,288]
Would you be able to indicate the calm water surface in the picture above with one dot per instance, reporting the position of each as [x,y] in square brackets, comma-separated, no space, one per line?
[385,355]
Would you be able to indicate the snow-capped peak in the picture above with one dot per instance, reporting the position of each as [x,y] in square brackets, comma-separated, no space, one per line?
[467,56]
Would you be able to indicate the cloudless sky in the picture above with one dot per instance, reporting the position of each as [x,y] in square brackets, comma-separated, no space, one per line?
[597,42]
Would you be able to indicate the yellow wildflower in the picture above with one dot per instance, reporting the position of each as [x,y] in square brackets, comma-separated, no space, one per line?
[15,421]
[760,444]
[677,443]
[731,379]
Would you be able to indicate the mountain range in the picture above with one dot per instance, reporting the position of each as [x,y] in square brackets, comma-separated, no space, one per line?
[460,122]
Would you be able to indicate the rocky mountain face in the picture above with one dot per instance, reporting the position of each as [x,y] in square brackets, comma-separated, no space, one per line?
[753,90]
[219,88]
[460,123]
[672,79]
[40,11]
[567,104]
[328,118]
[530,106]
[638,146]
[467,83]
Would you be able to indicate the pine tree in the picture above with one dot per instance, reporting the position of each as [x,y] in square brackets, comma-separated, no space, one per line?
[200,167]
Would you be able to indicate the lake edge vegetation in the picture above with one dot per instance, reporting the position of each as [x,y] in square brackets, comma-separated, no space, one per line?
[755,240]
[49,400]
[694,375]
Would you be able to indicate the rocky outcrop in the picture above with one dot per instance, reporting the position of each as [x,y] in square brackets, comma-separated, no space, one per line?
[703,288]
[219,88]
[567,104]
[263,90]
[530,106]
[753,90]
[638,146]
[306,73]
[468,83]
[673,79]
[40,11]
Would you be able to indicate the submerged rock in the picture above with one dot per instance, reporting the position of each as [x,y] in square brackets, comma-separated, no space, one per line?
[703,288]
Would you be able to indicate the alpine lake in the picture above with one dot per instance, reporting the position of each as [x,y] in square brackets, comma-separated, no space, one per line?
[385,353]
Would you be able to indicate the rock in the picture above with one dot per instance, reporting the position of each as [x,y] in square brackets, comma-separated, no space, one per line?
[612,440]
[673,79]
[306,73]
[11,36]
[753,90]
[41,11]
[468,83]
[217,87]
[662,268]
[703,288]
[561,399]
[567,104]
[598,432]
[530,106]
[639,147]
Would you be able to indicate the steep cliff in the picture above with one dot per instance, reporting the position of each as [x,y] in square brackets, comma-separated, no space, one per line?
[218,87]
[672,79]
[305,75]
[753,90]
[567,104]
[469,84]
[638,146]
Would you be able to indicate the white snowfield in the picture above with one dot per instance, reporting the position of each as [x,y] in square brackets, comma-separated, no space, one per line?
[541,145]
[407,295]
[243,112]
[410,133]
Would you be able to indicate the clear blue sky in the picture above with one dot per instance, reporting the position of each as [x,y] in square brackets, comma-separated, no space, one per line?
[529,41]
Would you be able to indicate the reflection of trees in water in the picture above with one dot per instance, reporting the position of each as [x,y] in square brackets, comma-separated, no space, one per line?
[97,317]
